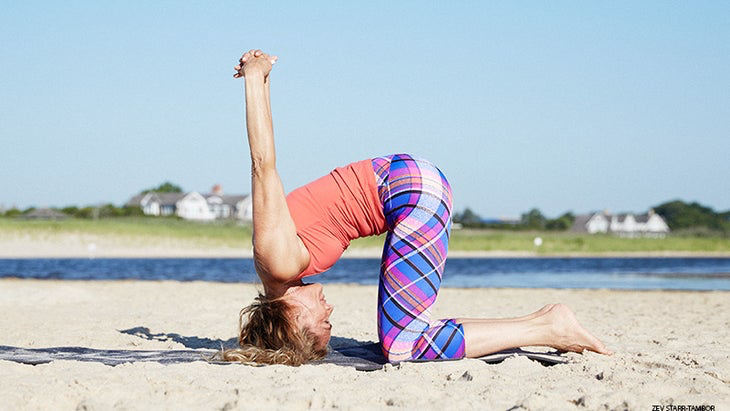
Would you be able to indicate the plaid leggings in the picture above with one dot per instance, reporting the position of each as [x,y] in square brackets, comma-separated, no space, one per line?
[416,202]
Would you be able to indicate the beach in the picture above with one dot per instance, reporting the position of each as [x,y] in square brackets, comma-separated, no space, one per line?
[671,349]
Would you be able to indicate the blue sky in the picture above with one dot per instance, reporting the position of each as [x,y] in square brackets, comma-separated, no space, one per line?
[557,105]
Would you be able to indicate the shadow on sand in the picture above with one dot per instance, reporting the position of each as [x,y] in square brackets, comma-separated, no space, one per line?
[362,355]
[192,342]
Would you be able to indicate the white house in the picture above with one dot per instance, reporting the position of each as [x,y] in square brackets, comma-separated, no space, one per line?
[628,225]
[245,209]
[195,206]
[159,204]
[597,224]
[229,206]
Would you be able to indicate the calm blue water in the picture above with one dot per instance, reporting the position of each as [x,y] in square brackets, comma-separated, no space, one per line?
[616,273]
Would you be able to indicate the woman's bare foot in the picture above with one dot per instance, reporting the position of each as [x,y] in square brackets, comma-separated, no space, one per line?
[541,311]
[537,313]
[567,334]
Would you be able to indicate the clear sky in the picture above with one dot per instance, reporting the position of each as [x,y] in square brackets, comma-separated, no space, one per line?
[558,105]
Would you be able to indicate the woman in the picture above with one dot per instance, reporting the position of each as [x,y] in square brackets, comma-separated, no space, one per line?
[304,233]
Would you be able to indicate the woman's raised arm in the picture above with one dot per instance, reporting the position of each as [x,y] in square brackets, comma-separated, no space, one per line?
[279,254]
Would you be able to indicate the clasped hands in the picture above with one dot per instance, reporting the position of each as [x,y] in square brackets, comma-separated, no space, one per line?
[254,62]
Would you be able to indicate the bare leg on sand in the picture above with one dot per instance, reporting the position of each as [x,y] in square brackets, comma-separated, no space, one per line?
[554,326]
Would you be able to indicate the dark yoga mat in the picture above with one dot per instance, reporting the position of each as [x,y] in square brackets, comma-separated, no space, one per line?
[365,357]
[368,357]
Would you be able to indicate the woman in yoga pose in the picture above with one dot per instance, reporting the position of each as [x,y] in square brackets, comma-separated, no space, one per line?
[304,233]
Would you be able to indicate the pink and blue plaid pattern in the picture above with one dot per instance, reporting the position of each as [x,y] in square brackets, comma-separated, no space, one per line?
[416,202]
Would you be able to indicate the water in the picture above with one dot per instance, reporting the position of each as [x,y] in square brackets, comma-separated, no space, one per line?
[614,273]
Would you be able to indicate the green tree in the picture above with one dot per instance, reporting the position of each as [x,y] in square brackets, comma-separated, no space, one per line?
[13,212]
[680,215]
[70,210]
[109,210]
[533,220]
[166,187]
[85,212]
[468,218]
[132,211]
[561,223]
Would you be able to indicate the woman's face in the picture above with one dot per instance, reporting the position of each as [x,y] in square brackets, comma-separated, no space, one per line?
[313,312]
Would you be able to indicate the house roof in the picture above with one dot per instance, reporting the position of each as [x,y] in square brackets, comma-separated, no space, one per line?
[135,201]
[168,199]
[45,214]
[172,198]
[162,198]
[230,200]
[579,224]
[641,218]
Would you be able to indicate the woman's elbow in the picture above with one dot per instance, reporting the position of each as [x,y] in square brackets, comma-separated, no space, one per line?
[262,165]
[277,269]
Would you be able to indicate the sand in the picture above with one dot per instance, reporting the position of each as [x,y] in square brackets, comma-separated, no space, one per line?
[671,348]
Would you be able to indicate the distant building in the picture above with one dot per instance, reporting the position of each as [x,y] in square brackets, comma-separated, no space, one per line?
[195,206]
[229,206]
[45,214]
[627,225]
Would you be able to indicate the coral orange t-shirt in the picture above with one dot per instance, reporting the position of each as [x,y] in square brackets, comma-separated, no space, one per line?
[335,209]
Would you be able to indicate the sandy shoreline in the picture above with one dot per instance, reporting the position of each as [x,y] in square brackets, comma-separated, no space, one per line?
[671,348]
[105,246]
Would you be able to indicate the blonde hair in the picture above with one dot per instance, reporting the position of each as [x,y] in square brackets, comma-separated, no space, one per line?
[269,335]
